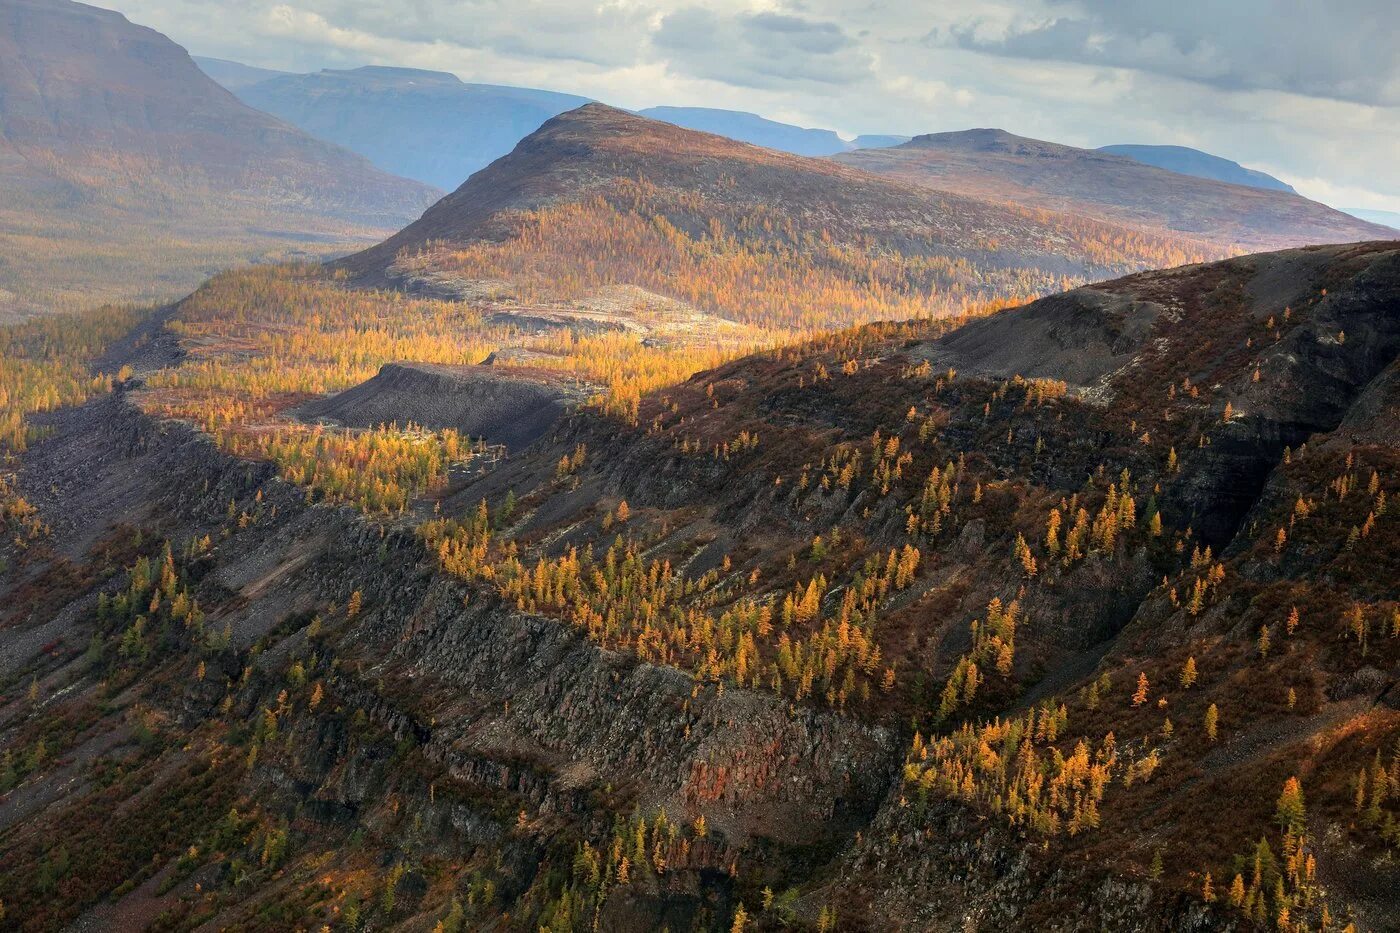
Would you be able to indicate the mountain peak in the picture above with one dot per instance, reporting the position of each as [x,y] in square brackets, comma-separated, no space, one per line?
[987,139]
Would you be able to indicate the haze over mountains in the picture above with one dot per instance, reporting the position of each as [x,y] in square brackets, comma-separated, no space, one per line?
[1389,219]
[235,75]
[122,161]
[751,128]
[425,125]
[433,127]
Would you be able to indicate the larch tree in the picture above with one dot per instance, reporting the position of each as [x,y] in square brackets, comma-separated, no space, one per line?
[1143,688]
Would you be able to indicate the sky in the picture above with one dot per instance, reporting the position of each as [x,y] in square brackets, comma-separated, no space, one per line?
[1308,91]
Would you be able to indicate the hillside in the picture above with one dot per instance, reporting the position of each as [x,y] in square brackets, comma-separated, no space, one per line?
[426,125]
[1188,161]
[1092,601]
[125,172]
[994,164]
[598,197]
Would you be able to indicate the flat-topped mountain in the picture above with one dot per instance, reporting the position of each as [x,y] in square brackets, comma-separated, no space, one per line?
[994,164]
[96,100]
[1189,161]
[426,125]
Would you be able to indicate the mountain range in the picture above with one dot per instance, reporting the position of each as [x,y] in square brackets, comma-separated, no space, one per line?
[437,129]
[583,198]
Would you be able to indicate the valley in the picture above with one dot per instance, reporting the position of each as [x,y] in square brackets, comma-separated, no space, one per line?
[666,532]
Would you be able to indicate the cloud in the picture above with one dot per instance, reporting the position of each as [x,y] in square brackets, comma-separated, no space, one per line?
[1307,91]
[760,50]
[1343,49]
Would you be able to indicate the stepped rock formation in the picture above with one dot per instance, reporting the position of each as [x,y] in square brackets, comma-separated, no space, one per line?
[413,706]
[500,405]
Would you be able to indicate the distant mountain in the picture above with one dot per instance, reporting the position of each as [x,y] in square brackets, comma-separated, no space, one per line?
[599,197]
[426,125]
[235,75]
[994,164]
[1389,219]
[1201,164]
[433,127]
[751,128]
[125,172]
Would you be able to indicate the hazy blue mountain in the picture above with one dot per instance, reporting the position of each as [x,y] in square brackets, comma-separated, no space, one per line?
[1389,219]
[425,125]
[234,75]
[1201,164]
[751,128]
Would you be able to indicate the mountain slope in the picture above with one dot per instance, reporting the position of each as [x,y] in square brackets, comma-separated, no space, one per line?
[1201,164]
[598,197]
[109,127]
[919,626]
[995,164]
[426,125]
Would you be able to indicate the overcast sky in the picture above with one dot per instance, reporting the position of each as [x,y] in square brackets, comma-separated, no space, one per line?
[1308,90]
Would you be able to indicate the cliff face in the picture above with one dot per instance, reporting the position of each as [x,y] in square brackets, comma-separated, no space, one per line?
[499,406]
[522,733]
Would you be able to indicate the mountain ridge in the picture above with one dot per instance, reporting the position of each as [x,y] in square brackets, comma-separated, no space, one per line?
[993,163]
[1189,161]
